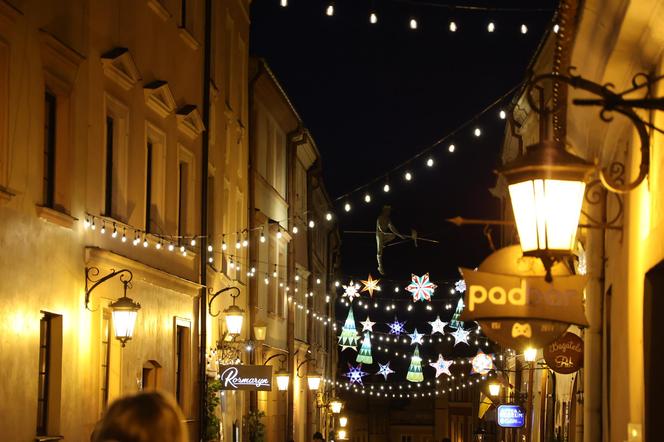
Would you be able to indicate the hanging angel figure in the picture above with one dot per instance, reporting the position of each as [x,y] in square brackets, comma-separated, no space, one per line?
[386,233]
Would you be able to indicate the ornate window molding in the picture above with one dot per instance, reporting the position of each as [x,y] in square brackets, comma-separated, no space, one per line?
[190,122]
[119,66]
[159,98]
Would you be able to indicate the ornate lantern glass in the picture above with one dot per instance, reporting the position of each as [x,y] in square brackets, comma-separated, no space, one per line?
[124,312]
[283,379]
[335,406]
[234,318]
[313,380]
[494,389]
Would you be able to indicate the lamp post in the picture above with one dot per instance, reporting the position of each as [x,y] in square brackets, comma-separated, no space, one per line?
[530,356]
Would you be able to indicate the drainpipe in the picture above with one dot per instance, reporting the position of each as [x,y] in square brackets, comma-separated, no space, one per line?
[202,259]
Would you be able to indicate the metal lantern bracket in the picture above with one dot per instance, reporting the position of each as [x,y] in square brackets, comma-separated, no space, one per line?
[283,357]
[125,276]
[219,292]
[297,370]
[610,101]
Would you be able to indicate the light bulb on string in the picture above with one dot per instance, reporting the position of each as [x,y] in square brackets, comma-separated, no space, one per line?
[86,223]
[524,29]
[103,228]
[262,238]
[386,188]
[193,242]
[367,198]
[211,259]
[312,224]
[283,3]
[328,216]
[453,26]
[93,226]
[274,273]
[373,18]
[329,11]
[223,243]
[477,132]
[238,243]
[124,235]
[145,241]
[408,176]
[491,27]
[451,148]
[347,207]
[158,245]
[279,234]
[295,230]
[171,247]
[430,162]
[556,28]
[502,114]
[115,232]
[209,248]
[182,249]
[412,23]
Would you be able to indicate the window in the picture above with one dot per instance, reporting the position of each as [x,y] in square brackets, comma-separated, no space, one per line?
[49,370]
[210,210]
[105,356]
[150,375]
[186,14]
[148,187]
[110,141]
[183,186]
[49,149]
[182,355]
[186,185]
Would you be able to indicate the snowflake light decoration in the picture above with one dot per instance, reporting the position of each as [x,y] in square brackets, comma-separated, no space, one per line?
[355,374]
[385,370]
[442,366]
[351,291]
[396,327]
[460,335]
[482,363]
[437,326]
[370,285]
[421,288]
[460,286]
[415,337]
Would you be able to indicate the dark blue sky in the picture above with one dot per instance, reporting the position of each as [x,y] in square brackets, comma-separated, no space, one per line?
[374,95]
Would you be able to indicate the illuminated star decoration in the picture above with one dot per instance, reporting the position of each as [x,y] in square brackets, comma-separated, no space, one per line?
[482,363]
[350,291]
[415,337]
[355,374]
[367,325]
[421,288]
[385,370]
[460,286]
[437,326]
[370,285]
[442,366]
[396,327]
[460,335]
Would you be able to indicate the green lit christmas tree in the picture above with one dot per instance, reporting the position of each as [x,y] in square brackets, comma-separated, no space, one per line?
[364,356]
[456,322]
[349,336]
[415,370]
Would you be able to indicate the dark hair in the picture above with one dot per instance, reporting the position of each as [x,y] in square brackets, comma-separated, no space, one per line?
[318,435]
[144,417]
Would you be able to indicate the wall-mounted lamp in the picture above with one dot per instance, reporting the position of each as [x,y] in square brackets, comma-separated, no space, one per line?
[234,315]
[124,310]
[335,406]
[260,332]
[343,421]
[282,376]
[313,377]
[530,354]
[494,389]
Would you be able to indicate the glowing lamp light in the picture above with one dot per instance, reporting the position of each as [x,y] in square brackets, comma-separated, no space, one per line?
[546,187]
[386,188]
[502,114]
[342,435]
[453,26]
[530,354]
[373,18]
[524,29]
[335,406]
[124,312]
[283,379]
[491,27]
[329,11]
[260,332]
[284,3]
[313,381]
[413,23]
[494,389]
[328,216]
[347,207]
[343,421]
[451,148]
[234,317]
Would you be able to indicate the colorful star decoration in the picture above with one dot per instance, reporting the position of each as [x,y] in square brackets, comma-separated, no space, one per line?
[421,288]
[396,327]
[460,286]
[350,291]
[482,363]
[415,337]
[370,285]
[355,374]
[384,370]
[437,326]
[367,325]
[442,366]
[460,335]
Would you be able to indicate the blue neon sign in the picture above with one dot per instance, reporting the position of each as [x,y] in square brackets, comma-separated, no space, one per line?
[511,416]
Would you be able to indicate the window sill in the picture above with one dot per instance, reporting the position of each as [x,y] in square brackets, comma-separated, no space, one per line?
[189,39]
[56,217]
[47,438]
[5,196]
[159,9]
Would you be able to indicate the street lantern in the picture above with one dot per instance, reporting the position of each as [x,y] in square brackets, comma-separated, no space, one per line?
[342,435]
[234,318]
[546,187]
[530,354]
[313,380]
[494,389]
[283,379]
[124,312]
[343,421]
[335,406]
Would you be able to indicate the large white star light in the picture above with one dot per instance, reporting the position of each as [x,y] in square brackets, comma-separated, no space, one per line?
[460,335]
[437,326]
[415,337]
[385,370]
[355,374]
[351,291]
[482,363]
[442,366]
[367,325]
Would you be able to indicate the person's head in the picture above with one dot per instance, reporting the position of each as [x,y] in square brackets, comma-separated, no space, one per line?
[318,436]
[143,417]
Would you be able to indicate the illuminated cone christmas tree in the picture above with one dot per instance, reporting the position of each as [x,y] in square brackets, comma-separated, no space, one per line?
[415,369]
[364,356]
[456,322]
[349,337]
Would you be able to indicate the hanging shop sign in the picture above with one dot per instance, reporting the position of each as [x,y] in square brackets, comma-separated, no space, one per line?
[565,355]
[516,306]
[511,416]
[246,377]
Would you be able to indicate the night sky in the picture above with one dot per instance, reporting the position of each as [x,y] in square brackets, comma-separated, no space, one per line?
[375,95]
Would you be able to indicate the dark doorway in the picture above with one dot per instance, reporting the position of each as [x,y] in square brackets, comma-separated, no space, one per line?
[653,336]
